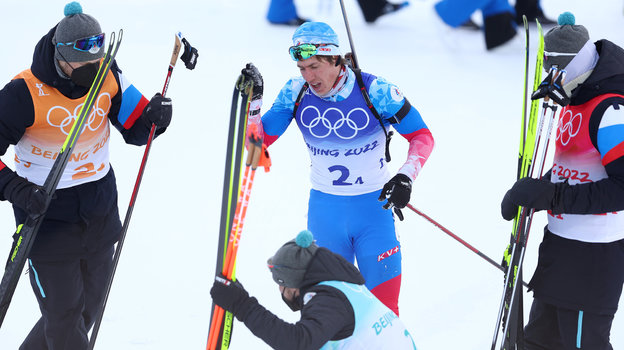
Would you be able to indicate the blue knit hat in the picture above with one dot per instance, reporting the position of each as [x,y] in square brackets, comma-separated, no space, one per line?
[290,262]
[315,33]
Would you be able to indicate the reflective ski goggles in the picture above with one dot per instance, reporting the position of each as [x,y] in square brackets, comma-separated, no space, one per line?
[89,44]
[305,51]
[557,54]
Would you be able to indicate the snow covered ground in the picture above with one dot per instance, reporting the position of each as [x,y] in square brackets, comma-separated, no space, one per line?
[471,100]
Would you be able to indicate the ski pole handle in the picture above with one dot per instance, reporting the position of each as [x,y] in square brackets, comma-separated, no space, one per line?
[174,57]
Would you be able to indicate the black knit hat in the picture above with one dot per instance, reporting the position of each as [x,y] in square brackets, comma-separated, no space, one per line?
[290,262]
[564,41]
[76,25]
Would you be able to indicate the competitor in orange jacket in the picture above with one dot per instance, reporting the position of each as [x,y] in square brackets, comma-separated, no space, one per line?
[71,258]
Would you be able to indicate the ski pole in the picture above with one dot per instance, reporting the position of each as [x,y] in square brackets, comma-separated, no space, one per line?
[528,213]
[457,238]
[520,240]
[356,69]
[179,39]
[560,77]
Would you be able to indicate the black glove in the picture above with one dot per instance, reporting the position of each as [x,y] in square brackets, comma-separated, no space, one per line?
[189,57]
[26,195]
[397,191]
[231,296]
[250,72]
[553,88]
[545,86]
[158,111]
[532,193]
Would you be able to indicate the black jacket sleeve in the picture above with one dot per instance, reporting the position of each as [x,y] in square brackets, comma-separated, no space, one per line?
[603,196]
[326,316]
[16,114]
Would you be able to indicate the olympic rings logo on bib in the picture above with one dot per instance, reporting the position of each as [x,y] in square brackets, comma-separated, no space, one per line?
[345,127]
[60,117]
[568,127]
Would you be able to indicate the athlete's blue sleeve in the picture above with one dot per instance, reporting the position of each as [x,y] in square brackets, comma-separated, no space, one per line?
[412,122]
[390,103]
[277,119]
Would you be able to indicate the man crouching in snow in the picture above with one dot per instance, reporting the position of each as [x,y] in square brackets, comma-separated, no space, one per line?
[337,310]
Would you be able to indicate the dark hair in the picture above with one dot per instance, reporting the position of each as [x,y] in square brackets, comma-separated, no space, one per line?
[337,60]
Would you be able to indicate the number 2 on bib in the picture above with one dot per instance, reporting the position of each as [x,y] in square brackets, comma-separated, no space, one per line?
[344,175]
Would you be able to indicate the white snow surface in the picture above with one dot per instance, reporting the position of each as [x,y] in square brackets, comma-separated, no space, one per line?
[471,100]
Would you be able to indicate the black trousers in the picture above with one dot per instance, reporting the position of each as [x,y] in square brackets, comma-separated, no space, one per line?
[530,8]
[554,328]
[371,9]
[69,294]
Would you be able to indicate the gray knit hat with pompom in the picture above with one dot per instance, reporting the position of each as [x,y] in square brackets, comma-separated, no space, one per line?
[290,262]
[76,25]
[563,42]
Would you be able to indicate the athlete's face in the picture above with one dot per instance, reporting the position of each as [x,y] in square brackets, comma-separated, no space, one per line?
[68,68]
[319,74]
[289,293]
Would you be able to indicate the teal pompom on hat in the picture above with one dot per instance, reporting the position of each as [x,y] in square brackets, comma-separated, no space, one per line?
[73,8]
[566,18]
[76,25]
[290,263]
[304,239]
[564,41]
[315,33]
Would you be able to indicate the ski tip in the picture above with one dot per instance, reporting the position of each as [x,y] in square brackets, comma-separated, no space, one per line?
[526,21]
[179,35]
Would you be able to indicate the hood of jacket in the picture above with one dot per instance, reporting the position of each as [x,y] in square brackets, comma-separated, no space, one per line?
[328,266]
[44,69]
[607,76]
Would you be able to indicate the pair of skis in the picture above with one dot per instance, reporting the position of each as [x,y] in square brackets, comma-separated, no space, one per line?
[235,200]
[510,316]
[26,233]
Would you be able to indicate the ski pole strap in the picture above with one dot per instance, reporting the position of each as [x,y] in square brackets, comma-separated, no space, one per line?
[299,98]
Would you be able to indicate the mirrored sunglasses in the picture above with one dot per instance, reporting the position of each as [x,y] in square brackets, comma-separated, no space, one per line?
[88,44]
[305,51]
